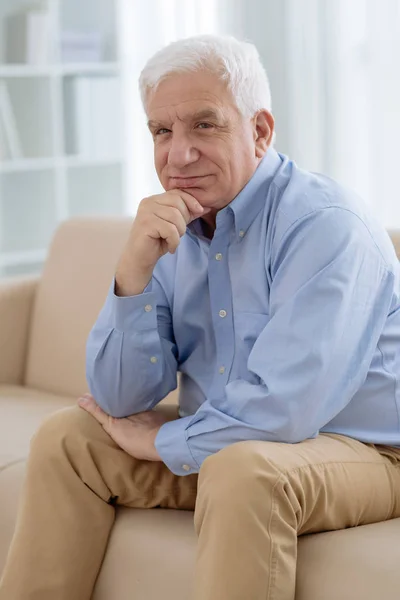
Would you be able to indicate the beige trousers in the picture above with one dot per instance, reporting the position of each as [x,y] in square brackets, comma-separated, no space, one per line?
[252,501]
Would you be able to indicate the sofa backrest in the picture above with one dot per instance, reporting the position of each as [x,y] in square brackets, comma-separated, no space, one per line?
[395,236]
[75,281]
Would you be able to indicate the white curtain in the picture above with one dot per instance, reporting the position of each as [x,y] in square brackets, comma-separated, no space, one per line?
[364,100]
[340,104]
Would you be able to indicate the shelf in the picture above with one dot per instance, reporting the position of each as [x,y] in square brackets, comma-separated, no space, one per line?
[77,162]
[48,180]
[25,71]
[12,259]
[109,68]
[28,164]
[106,68]
[44,164]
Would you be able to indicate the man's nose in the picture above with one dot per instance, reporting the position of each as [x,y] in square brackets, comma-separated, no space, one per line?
[181,151]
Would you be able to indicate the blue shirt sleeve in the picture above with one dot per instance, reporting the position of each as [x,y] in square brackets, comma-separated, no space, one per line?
[131,352]
[329,299]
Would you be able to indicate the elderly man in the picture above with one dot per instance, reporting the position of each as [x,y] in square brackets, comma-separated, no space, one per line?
[275,294]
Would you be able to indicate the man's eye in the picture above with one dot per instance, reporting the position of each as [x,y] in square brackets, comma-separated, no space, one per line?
[162,130]
[203,125]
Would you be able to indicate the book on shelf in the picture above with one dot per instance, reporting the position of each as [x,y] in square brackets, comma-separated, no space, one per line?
[10,145]
[93,117]
[81,46]
[77,107]
[28,36]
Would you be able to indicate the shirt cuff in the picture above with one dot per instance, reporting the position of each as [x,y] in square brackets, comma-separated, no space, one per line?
[171,444]
[132,313]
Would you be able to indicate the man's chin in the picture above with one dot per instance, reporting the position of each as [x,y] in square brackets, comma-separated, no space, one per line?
[200,194]
[204,197]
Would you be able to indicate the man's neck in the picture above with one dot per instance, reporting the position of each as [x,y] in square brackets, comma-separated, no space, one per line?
[209,224]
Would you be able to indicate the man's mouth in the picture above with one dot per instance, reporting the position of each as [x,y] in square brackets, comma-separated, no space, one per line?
[188,182]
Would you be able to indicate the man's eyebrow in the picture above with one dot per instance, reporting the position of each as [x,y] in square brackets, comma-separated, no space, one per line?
[154,124]
[206,113]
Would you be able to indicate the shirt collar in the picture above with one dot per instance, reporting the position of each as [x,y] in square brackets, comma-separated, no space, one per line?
[248,203]
[251,199]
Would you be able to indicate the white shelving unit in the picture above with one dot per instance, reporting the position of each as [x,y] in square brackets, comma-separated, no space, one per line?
[53,180]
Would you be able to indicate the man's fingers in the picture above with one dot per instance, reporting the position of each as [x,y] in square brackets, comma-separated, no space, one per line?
[172,215]
[196,210]
[88,403]
[166,231]
[176,200]
[194,207]
[173,241]
[186,203]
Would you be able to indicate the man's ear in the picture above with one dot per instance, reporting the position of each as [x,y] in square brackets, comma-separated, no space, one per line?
[264,125]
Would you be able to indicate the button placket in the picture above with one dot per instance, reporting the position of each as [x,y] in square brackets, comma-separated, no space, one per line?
[221,308]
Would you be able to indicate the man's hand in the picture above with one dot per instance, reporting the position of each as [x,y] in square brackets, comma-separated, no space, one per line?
[160,222]
[135,434]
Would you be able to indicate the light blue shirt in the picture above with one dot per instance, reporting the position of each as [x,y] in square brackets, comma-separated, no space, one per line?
[284,325]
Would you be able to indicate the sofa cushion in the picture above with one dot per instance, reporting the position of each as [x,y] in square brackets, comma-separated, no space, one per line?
[151,554]
[73,288]
[361,563]
[22,410]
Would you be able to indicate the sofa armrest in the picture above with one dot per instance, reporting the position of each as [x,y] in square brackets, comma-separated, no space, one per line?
[16,303]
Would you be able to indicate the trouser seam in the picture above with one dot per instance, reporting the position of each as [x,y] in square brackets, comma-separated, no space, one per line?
[273,559]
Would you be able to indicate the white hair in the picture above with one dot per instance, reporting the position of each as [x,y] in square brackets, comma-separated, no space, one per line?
[238,63]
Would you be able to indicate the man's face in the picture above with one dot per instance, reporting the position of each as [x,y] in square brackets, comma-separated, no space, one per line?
[202,144]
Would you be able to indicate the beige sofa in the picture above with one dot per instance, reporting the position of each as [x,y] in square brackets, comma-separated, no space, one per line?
[44,323]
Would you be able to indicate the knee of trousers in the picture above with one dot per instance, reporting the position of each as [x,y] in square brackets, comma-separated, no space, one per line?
[247,478]
[70,427]
[235,473]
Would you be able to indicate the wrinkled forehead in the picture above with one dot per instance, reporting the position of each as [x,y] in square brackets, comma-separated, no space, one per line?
[180,94]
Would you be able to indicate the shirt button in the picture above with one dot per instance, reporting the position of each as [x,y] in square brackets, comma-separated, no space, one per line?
[221,370]
[222,313]
[186,467]
[153,359]
[148,307]
[241,233]
[218,256]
